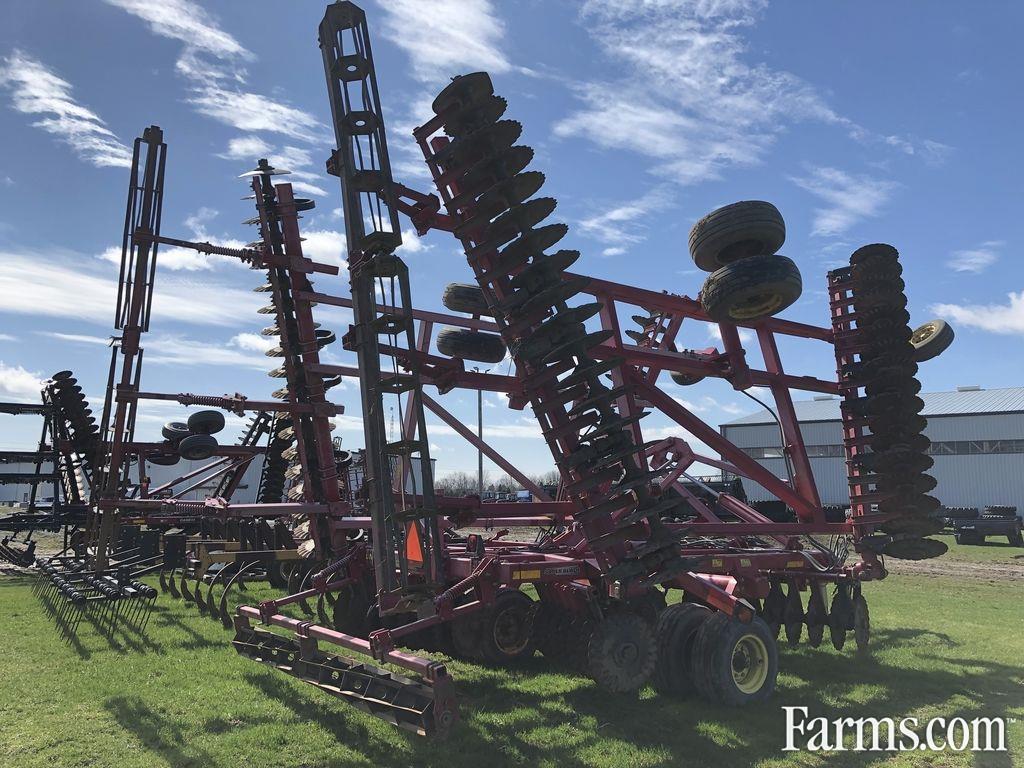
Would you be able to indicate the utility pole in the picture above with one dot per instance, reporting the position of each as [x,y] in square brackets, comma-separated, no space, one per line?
[480,437]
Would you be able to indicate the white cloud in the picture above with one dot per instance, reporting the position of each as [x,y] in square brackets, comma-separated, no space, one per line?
[695,100]
[41,285]
[7,337]
[37,90]
[412,243]
[77,338]
[747,337]
[246,148]
[446,37]
[18,384]
[172,349]
[326,246]
[848,198]
[185,21]
[216,84]
[624,224]
[996,318]
[976,259]
[252,342]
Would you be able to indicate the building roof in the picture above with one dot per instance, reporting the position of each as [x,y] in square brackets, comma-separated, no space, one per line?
[958,403]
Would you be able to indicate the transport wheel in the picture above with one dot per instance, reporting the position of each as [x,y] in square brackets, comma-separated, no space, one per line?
[793,616]
[467,635]
[277,575]
[861,621]
[685,379]
[506,634]
[840,616]
[915,549]
[648,606]
[206,422]
[751,289]
[931,339]
[622,653]
[175,430]
[471,345]
[163,459]
[737,231]
[350,610]
[734,663]
[561,637]
[677,626]
[462,297]
[817,615]
[197,447]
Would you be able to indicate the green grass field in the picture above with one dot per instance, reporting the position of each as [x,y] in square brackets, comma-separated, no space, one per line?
[181,697]
[995,550]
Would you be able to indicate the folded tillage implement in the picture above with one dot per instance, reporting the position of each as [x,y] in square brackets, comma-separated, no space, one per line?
[380,566]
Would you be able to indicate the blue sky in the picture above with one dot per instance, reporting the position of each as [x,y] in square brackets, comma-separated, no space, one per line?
[863,122]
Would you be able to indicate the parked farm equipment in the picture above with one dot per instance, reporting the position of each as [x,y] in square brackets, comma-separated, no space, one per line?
[970,526]
[378,564]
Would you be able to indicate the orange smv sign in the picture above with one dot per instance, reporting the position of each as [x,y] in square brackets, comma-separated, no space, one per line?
[413,544]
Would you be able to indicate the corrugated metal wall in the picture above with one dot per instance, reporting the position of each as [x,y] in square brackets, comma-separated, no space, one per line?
[975,480]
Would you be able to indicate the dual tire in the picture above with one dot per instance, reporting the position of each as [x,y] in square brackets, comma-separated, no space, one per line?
[749,280]
[720,658]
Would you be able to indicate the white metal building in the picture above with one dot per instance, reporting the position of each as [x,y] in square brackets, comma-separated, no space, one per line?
[977,442]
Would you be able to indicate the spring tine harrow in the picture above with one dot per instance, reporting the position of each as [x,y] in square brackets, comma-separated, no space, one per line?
[225,615]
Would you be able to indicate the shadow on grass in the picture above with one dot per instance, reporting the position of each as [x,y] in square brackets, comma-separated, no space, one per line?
[508,716]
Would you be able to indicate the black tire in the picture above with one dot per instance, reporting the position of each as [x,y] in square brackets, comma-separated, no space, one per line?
[685,379]
[915,549]
[351,609]
[507,628]
[677,626]
[737,231]
[734,663]
[962,513]
[471,345]
[175,430]
[622,653]
[751,289]
[206,422]
[931,339]
[197,447]
[463,297]
[163,459]
[1000,511]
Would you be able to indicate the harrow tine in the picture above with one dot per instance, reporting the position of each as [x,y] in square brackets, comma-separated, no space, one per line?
[320,613]
[163,580]
[186,593]
[303,604]
[172,585]
[225,616]
[211,606]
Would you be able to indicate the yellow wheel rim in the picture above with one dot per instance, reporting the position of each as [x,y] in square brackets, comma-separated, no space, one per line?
[757,306]
[922,333]
[750,664]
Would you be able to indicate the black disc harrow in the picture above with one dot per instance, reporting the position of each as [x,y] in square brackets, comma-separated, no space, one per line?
[890,459]
[483,181]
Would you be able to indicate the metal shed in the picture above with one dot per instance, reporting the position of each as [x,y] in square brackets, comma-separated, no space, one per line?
[977,443]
